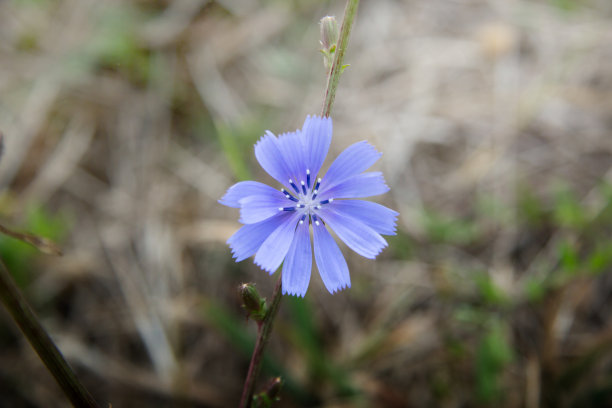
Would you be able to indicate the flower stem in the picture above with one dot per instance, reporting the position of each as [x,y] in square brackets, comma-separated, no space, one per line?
[263,335]
[25,318]
[336,69]
[265,328]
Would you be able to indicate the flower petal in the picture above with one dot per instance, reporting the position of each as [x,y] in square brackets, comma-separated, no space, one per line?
[273,250]
[361,185]
[293,149]
[354,233]
[259,207]
[316,134]
[244,189]
[247,240]
[330,261]
[271,159]
[355,159]
[298,263]
[378,217]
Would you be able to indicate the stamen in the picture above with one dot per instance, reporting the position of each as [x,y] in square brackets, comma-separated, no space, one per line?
[294,186]
[286,208]
[316,188]
[316,221]
[331,200]
[288,195]
[301,206]
[302,219]
[318,207]
[308,177]
[303,187]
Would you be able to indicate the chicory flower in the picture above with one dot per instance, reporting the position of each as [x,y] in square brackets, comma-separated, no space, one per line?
[278,222]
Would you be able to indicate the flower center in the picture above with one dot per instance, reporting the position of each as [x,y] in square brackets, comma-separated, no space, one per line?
[305,199]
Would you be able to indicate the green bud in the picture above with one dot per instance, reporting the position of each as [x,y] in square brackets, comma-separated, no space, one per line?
[329,39]
[329,32]
[269,395]
[274,388]
[252,302]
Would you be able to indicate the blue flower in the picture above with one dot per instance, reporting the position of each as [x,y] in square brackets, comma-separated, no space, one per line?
[277,222]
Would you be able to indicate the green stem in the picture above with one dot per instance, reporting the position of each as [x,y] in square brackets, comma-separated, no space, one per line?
[336,69]
[265,327]
[263,335]
[25,318]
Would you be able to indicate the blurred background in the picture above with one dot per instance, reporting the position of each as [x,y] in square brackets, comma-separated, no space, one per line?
[125,121]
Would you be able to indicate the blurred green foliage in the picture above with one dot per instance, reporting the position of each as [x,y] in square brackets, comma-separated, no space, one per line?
[567,5]
[567,210]
[441,228]
[237,142]
[563,236]
[494,353]
[490,293]
[306,337]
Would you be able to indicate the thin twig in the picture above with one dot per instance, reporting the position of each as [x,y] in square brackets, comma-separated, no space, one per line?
[27,321]
[44,245]
[263,335]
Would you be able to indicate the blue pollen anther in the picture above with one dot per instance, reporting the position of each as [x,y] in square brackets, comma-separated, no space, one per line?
[302,219]
[303,188]
[316,221]
[288,195]
[286,208]
[294,186]
[301,206]
[331,200]
[308,177]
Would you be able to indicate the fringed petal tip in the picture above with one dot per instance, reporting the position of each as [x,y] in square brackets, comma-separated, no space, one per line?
[243,189]
[375,254]
[294,293]
[394,215]
[235,255]
[339,288]
[264,267]
[229,201]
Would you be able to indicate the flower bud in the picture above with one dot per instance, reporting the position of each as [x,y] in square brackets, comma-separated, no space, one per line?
[329,39]
[269,395]
[252,302]
[274,388]
[329,33]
